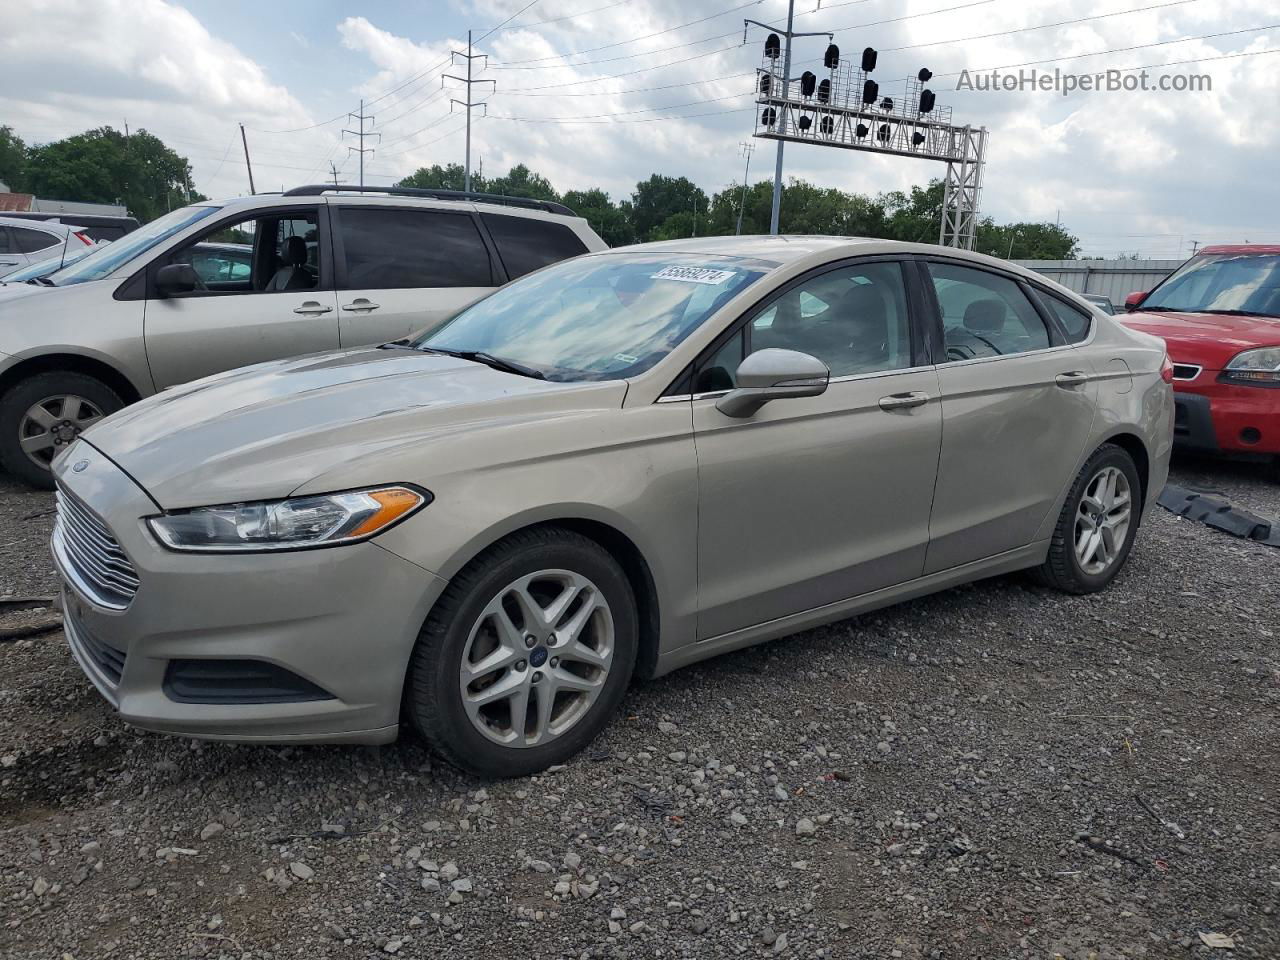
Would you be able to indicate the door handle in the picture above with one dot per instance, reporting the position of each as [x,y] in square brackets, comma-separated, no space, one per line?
[903,401]
[1072,378]
[312,309]
[360,305]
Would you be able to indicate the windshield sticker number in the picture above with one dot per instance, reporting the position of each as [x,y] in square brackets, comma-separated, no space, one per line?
[693,275]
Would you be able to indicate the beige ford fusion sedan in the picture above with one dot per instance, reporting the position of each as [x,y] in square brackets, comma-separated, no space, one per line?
[610,468]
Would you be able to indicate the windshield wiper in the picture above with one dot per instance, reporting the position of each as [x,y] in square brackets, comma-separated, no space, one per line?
[489,360]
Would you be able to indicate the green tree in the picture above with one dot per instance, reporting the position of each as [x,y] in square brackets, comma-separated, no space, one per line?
[1026,241]
[612,222]
[520,181]
[105,166]
[660,197]
[436,177]
[13,160]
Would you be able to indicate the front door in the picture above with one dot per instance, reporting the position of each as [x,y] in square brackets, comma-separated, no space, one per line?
[815,500]
[403,270]
[265,292]
[1017,409]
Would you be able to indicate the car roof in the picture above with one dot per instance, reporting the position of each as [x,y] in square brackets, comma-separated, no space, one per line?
[1260,249]
[373,198]
[29,223]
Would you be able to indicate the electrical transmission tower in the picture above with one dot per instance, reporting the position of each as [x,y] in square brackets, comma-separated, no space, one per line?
[468,103]
[361,133]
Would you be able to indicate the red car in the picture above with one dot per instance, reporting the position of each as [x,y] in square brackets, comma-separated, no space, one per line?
[1219,314]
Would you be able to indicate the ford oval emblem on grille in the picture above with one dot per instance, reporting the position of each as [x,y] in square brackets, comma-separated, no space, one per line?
[80,466]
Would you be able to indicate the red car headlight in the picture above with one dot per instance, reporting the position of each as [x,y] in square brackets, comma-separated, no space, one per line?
[1260,367]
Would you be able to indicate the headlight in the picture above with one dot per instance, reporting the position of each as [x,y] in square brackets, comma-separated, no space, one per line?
[313,521]
[1261,366]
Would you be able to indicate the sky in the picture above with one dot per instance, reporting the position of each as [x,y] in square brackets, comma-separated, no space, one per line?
[602,93]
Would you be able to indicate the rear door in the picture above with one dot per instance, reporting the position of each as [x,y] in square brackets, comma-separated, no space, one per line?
[240,317]
[1017,408]
[405,269]
[27,245]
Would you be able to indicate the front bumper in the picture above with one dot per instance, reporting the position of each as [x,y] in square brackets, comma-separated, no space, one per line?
[342,621]
[1214,417]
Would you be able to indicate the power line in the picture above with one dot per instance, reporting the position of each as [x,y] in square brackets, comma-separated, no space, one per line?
[511,64]
[493,30]
[567,16]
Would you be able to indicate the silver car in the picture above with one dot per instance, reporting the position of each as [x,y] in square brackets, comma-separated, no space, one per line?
[219,285]
[25,242]
[613,467]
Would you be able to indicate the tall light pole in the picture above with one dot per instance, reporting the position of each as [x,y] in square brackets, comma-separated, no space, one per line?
[747,148]
[789,34]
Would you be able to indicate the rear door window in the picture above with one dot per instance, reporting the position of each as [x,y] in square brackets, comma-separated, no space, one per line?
[984,314]
[398,248]
[32,241]
[525,243]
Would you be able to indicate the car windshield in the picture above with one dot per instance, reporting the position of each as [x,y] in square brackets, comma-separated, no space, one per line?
[106,260]
[599,317]
[1222,283]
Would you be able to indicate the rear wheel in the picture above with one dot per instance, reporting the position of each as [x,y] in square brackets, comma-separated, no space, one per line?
[42,415]
[525,656]
[1097,526]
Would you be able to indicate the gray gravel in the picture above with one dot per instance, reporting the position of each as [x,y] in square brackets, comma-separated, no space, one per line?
[996,771]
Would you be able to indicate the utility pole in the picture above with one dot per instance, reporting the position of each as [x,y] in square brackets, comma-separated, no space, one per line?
[1194,245]
[695,214]
[468,103]
[247,165]
[789,34]
[333,172]
[361,133]
[747,149]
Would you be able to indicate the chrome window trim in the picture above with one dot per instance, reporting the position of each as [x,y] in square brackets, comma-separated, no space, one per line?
[847,378]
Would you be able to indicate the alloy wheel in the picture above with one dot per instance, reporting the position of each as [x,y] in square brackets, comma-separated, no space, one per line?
[53,423]
[537,658]
[1102,520]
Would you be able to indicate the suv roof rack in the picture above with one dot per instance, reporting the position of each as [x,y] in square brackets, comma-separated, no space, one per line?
[549,206]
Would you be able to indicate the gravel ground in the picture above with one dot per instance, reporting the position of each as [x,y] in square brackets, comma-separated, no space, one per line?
[995,771]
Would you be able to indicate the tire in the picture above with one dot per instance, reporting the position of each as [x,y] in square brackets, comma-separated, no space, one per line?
[528,567]
[1064,569]
[51,391]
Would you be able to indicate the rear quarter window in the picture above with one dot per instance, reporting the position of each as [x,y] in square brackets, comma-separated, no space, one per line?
[1074,321]
[525,244]
[32,241]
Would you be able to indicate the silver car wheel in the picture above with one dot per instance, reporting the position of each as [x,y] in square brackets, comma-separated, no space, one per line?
[51,424]
[537,658]
[1102,520]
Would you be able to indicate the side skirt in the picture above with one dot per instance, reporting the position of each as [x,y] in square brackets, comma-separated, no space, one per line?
[1021,558]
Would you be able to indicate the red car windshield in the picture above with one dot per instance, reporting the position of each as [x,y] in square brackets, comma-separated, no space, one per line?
[1222,283]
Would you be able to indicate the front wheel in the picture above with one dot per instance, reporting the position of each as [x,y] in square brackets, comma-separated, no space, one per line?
[525,656]
[42,415]
[1097,526]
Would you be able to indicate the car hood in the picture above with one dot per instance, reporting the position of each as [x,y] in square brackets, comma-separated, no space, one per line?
[263,431]
[11,290]
[1208,340]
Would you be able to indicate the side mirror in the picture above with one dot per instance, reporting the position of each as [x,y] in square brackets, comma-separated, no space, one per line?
[1132,300]
[176,278]
[774,375]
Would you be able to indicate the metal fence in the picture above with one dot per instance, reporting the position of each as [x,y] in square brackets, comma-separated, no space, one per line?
[1113,279]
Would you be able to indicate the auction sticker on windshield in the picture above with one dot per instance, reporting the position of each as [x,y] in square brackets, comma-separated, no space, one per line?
[694,275]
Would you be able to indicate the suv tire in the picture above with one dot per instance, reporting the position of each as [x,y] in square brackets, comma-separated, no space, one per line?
[1090,544]
[572,581]
[84,398]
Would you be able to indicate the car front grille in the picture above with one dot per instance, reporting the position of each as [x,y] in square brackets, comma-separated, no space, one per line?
[1186,371]
[90,555]
[108,660]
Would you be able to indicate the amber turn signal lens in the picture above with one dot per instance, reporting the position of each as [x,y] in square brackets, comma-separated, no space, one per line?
[394,504]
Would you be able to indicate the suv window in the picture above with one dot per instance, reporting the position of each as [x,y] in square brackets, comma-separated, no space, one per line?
[853,318]
[398,248]
[32,241]
[1074,321]
[984,314]
[525,243]
[270,253]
